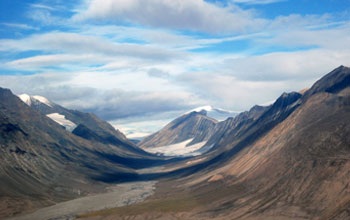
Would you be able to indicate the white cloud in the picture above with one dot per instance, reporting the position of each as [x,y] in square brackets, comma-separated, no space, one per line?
[41,6]
[257,2]
[35,63]
[240,83]
[195,15]
[20,26]
[81,44]
[335,38]
[141,75]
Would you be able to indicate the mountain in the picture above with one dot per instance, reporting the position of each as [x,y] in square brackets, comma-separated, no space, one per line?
[187,134]
[216,113]
[233,127]
[286,161]
[74,121]
[42,163]
[191,129]
[291,162]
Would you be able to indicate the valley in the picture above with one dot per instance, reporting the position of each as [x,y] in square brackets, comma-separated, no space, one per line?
[288,160]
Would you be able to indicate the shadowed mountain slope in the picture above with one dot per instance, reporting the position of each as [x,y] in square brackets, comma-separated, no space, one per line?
[291,162]
[98,128]
[42,163]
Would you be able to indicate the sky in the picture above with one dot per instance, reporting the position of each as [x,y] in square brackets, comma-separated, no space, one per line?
[141,63]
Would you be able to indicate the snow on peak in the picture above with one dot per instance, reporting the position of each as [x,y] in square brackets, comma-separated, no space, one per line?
[216,113]
[30,99]
[43,100]
[207,108]
[26,99]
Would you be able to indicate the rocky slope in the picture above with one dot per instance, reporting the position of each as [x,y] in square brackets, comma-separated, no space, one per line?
[291,161]
[42,163]
[196,126]
[73,119]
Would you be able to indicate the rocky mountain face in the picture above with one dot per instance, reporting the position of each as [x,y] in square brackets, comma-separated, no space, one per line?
[291,162]
[42,163]
[286,161]
[74,121]
[196,126]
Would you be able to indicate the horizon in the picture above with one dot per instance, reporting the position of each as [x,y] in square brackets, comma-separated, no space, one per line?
[140,67]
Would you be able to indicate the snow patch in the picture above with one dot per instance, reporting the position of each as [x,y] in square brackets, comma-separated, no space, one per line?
[61,119]
[26,99]
[30,99]
[43,100]
[179,149]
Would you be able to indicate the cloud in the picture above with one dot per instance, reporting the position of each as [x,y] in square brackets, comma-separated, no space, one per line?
[107,101]
[240,83]
[335,38]
[81,44]
[257,2]
[285,66]
[226,91]
[35,63]
[41,6]
[44,17]
[154,72]
[19,26]
[120,104]
[194,15]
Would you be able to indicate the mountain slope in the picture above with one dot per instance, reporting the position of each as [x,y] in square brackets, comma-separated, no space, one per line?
[194,125]
[289,162]
[42,163]
[72,119]
[293,162]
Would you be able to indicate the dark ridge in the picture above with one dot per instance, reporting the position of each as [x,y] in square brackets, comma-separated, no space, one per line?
[333,82]
[86,133]
[337,87]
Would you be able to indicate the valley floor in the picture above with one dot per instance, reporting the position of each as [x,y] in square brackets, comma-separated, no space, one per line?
[117,195]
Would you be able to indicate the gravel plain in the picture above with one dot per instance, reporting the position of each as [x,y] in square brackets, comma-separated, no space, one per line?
[118,195]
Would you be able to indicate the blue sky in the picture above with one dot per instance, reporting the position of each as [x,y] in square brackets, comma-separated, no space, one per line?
[140,63]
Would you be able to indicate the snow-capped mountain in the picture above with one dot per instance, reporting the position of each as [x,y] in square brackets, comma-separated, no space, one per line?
[184,136]
[216,113]
[85,125]
[47,107]
[187,134]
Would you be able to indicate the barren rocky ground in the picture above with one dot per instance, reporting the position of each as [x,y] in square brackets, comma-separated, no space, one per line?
[118,195]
